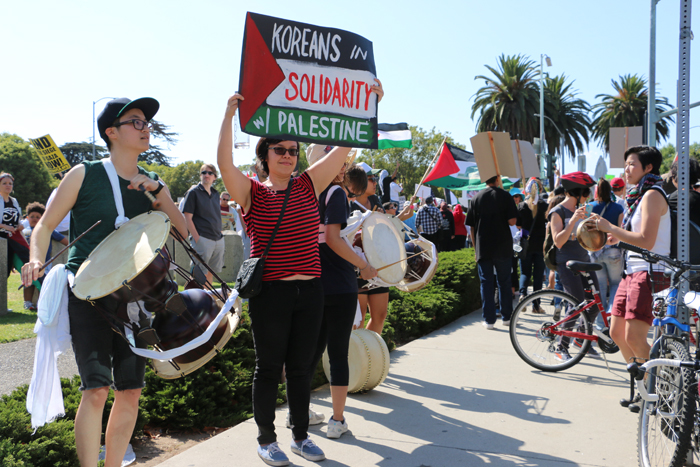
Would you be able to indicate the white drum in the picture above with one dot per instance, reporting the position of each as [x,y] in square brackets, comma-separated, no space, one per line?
[368,359]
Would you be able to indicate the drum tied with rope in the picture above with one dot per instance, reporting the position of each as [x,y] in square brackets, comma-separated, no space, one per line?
[133,267]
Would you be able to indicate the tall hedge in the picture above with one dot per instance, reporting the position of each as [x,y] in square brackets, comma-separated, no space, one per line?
[220,393]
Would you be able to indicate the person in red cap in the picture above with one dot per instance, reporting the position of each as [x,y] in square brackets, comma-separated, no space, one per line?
[618,189]
[564,220]
[104,359]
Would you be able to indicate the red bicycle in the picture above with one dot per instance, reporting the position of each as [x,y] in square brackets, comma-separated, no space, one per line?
[551,331]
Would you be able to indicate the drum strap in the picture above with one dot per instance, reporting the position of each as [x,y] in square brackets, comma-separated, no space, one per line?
[114,181]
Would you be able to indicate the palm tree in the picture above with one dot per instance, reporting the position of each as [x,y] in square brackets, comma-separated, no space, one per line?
[509,99]
[626,108]
[570,115]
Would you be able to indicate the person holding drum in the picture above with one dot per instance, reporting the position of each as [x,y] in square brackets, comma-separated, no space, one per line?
[286,315]
[646,224]
[338,263]
[104,359]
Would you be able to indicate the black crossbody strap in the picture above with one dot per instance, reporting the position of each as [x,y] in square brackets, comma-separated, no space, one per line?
[279,221]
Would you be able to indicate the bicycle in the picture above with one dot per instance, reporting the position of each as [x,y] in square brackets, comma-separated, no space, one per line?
[668,421]
[556,320]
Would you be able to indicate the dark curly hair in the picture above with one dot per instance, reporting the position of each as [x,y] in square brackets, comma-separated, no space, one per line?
[35,207]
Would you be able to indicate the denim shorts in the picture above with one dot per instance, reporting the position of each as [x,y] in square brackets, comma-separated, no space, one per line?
[104,357]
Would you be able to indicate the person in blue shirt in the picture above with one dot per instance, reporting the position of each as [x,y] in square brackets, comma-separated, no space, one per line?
[610,256]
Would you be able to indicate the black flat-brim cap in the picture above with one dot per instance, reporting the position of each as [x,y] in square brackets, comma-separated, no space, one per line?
[117,107]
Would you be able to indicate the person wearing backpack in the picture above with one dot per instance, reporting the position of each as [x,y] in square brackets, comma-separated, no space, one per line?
[610,256]
[564,220]
[646,224]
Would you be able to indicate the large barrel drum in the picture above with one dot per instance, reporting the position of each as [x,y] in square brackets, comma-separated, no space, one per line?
[368,359]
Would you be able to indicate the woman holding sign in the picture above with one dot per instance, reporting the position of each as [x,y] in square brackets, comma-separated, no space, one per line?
[286,315]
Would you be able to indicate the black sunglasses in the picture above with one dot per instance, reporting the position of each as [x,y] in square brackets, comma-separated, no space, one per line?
[280,151]
[207,172]
[138,124]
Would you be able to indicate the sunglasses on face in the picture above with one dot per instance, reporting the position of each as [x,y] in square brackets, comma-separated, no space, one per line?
[138,124]
[280,151]
[207,172]
[372,179]
[225,199]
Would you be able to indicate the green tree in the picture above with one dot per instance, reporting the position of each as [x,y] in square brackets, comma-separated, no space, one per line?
[626,108]
[76,153]
[668,153]
[510,98]
[570,115]
[32,181]
[412,162]
[180,178]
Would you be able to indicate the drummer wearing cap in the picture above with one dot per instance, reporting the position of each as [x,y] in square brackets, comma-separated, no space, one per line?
[104,359]
[286,315]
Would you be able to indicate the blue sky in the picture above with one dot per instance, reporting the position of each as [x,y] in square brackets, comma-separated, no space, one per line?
[61,56]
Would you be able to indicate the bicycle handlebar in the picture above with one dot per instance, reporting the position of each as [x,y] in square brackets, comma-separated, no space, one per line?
[652,257]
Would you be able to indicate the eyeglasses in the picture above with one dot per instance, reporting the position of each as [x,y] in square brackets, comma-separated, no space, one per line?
[138,124]
[225,199]
[207,172]
[280,151]
[372,179]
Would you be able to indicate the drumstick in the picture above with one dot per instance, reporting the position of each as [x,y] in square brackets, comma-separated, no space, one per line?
[149,195]
[65,248]
[397,262]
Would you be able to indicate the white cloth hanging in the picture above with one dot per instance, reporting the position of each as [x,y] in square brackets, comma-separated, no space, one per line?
[116,191]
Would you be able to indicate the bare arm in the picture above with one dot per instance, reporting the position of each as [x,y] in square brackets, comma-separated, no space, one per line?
[342,249]
[166,205]
[561,235]
[235,181]
[191,227]
[653,206]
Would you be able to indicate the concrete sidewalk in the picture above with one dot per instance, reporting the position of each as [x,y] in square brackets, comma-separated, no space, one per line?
[461,397]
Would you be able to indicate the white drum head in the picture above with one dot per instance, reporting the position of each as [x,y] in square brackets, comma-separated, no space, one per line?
[384,245]
[122,255]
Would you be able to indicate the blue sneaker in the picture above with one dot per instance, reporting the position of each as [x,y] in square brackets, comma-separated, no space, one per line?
[308,450]
[273,455]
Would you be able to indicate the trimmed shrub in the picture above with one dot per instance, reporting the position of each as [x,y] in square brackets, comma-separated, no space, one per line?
[220,393]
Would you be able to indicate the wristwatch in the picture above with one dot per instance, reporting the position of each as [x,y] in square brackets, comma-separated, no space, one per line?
[155,192]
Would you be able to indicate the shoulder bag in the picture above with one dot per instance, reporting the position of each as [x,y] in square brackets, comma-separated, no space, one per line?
[249,280]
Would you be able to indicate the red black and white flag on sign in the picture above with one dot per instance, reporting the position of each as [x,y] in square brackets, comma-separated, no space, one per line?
[307,83]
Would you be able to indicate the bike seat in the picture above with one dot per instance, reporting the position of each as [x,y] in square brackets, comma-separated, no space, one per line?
[583,266]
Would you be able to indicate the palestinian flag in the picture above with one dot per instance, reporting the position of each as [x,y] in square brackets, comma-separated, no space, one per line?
[456,169]
[394,136]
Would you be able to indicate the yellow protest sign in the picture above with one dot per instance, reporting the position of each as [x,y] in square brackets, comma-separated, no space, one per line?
[50,155]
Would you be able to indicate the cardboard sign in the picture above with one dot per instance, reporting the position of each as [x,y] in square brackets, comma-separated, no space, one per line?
[307,83]
[494,155]
[525,157]
[50,154]
[620,139]
[423,191]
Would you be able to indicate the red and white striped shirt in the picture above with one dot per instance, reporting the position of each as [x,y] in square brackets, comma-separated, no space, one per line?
[295,248]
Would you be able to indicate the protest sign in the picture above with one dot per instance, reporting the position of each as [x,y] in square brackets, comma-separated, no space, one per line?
[50,154]
[307,83]
[494,154]
[621,139]
[422,191]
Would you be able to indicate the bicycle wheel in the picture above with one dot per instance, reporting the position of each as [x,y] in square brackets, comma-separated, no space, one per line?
[531,333]
[666,426]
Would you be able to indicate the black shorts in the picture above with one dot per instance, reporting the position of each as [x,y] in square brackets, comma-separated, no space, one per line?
[104,358]
[373,291]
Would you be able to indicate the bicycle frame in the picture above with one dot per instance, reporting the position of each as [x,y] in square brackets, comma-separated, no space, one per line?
[590,291]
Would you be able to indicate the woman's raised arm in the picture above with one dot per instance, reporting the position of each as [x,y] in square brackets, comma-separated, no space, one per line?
[236,182]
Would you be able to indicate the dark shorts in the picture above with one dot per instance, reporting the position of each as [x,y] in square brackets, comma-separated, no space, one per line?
[633,299]
[104,358]
[373,291]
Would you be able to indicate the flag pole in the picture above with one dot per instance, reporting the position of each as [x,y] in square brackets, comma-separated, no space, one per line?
[428,169]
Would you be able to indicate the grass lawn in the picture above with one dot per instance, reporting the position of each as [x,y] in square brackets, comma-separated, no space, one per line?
[20,323]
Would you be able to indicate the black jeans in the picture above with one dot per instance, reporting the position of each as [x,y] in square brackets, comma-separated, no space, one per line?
[286,319]
[338,316]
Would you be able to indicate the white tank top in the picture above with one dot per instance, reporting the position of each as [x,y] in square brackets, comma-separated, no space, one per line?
[662,246]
